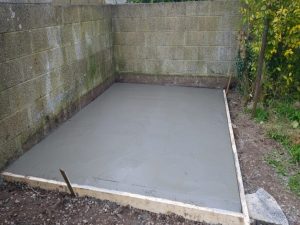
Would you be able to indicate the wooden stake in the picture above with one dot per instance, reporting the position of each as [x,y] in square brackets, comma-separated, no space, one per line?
[228,84]
[63,173]
[260,65]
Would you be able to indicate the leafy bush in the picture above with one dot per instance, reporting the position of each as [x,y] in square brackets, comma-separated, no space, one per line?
[282,58]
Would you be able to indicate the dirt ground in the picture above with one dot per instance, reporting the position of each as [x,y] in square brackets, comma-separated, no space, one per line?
[20,204]
[253,146]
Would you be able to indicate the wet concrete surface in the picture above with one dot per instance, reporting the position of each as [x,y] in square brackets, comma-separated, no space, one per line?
[161,141]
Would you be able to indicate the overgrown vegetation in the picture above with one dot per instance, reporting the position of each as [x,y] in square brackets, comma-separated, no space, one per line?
[281,71]
[281,121]
[268,66]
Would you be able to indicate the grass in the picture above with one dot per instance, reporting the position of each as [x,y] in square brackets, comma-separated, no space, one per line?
[286,110]
[281,164]
[261,115]
[295,152]
[281,121]
[293,149]
[279,137]
[275,160]
[294,183]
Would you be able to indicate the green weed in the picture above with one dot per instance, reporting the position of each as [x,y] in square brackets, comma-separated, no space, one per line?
[295,152]
[286,110]
[261,115]
[277,164]
[293,149]
[281,138]
[294,183]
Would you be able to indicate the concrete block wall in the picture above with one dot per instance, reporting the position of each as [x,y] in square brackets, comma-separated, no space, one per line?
[58,55]
[55,57]
[176,39]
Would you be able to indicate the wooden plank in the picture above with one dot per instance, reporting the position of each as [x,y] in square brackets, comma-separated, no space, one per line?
[64,175]
[156,205]
[237,164]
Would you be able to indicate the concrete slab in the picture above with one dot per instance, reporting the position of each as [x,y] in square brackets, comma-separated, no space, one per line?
[160,141]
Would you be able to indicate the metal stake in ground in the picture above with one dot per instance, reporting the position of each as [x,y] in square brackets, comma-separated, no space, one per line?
[63,173]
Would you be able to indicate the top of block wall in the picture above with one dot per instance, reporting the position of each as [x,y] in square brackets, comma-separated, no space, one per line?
[55,2]
[189,8]
[115,2]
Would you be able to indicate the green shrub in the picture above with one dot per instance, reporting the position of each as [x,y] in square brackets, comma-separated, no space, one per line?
[281,77]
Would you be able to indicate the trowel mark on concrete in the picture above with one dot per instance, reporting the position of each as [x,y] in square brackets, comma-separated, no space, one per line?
[166,142]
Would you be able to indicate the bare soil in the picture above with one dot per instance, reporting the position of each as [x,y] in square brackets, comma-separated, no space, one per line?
[20,204]
[253,146]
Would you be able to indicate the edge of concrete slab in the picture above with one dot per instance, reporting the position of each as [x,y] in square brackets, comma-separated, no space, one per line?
[237,164]
[153,204]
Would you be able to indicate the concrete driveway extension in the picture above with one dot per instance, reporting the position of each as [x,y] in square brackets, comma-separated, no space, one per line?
[161,141]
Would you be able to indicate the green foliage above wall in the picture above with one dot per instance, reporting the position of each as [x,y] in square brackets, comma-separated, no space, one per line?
[281,76]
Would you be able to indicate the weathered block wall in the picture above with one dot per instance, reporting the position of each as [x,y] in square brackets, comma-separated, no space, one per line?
[57,55]
[187,39]
[53,60]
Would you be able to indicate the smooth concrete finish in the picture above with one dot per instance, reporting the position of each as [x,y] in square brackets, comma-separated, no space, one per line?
[161,141]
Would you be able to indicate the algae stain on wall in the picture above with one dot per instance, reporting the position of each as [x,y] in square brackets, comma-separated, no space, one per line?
[55,60]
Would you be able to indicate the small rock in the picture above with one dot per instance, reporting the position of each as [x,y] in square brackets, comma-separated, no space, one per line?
[297,105]
[264,208]
[250,106]
[85,221]
[295,124]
